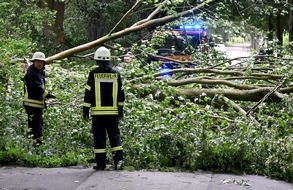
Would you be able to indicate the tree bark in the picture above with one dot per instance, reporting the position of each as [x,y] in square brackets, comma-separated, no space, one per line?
[58,31]
[279,28]
[270,28]
[238,108]
[253,95]
[214,81]
[291,26]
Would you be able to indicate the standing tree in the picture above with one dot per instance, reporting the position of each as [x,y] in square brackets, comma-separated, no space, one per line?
[55,31]
[291,25]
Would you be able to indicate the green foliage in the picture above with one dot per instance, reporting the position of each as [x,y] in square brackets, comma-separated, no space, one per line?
[92,15]
[16,47]
[158,133]
[162,135]
[23,20]
[280,162]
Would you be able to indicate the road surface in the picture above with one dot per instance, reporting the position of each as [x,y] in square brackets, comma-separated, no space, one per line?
[83,178]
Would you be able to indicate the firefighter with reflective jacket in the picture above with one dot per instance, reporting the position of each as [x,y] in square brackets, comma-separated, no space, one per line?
[35,95]
[104,99]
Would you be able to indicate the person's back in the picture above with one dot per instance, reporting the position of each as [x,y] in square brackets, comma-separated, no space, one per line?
[104,99]
[109,85]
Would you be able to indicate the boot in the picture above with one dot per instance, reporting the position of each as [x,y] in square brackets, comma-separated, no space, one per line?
[101,161]
[117,165]
[117,157]
[99,167]
[37,142]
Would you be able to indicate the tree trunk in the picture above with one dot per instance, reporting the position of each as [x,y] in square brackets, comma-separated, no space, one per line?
[99,25]
[97,28]
[270,28]
[255,38]
[291,26]
[279,28]
[195,94]
[58,32]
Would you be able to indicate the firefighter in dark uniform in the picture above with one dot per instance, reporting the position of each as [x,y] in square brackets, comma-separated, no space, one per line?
[104,100]
[34,96]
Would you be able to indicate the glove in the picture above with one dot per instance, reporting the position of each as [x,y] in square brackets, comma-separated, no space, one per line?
[120,115]
[51,96]
[85,117]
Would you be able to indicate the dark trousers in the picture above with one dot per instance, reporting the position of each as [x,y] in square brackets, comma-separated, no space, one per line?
[35,122]
[101,126]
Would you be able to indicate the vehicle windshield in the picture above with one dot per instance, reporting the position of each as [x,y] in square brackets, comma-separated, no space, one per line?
[176,42]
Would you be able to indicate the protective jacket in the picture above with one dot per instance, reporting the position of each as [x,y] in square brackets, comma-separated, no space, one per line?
[104,93]
[34,88]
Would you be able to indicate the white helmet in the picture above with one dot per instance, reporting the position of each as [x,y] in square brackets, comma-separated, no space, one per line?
[102,54]
[128,54]
[39,56]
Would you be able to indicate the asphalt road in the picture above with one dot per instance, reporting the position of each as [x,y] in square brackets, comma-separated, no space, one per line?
[238,50]
[82,178]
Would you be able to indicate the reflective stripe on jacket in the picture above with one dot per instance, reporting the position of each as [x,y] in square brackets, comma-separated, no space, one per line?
[104,93]
[34,88]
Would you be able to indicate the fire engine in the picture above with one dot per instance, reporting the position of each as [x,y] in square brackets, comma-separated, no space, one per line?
[179,42]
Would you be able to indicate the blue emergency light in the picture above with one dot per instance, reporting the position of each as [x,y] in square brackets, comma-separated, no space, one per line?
[165,68]
[195,26]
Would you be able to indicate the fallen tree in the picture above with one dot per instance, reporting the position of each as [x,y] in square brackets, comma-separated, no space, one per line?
[206,78]
[236,84]
[151,20]
[219,85]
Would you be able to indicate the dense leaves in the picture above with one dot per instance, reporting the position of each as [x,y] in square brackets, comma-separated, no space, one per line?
[158,134]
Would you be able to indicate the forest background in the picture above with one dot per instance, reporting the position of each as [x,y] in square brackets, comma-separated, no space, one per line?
[213,116]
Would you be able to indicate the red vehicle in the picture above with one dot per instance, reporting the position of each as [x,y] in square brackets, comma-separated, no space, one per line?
[179,43]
